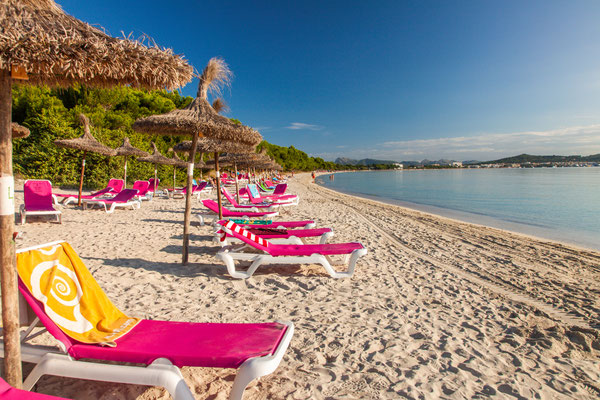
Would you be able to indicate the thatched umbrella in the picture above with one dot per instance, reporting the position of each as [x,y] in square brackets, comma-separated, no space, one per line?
[85,143]
[157,158]
[127,150]
[41,43]
[196,120]
[19,131]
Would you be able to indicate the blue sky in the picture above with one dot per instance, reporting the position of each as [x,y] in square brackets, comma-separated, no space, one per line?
[400,80]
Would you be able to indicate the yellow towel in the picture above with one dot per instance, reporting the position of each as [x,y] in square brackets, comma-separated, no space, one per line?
[72,298]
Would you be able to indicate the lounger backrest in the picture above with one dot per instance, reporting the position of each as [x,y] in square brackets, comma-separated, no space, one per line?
[253,191]
[38,194]
[141,187]
[125,196]
[280,189]
[201,185]
[101,192]
[116,185]
[229,197]
[246,236]
[151,185]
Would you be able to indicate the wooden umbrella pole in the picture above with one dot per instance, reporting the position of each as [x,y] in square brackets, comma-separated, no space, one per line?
[155,178]
[81,178]
[188,201]
[8,270]
[125,176]
[174,179]
[218,185]
[237,189]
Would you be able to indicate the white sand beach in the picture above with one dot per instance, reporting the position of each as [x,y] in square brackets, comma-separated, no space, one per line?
[437,308]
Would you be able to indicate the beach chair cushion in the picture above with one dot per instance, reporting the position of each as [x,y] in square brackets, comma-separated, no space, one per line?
[38,195]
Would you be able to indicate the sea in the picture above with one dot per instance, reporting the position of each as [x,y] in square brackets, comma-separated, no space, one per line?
[559,204]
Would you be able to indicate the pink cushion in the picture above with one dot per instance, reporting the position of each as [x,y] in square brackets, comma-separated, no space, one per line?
[301,233]
[38,195]
[189,344]
[285,224]
[309,249]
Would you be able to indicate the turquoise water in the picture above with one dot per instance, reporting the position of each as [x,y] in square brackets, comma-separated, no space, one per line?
[560,204]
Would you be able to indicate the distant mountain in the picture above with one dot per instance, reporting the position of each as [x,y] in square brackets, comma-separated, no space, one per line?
[528,158]
[364,161]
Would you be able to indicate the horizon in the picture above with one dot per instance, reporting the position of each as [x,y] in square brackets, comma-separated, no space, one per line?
[396,81]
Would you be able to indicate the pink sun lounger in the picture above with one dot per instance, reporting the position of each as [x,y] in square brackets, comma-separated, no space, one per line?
[142,187]
[196,189]
[279,235]
[235,206]
[272,253]
[254,349]
[213,209]
[124,199]
[252,193]
[8,392]
[113,188]
[38,200]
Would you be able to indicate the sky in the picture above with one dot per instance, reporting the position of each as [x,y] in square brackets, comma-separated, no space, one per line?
[394,80]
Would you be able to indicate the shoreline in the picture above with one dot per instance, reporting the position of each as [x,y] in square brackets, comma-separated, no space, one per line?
[437,308]
[460,216]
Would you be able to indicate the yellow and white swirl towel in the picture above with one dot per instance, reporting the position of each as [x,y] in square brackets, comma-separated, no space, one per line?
[72,298]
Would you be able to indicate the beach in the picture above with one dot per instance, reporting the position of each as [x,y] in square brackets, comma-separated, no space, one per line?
[436,309]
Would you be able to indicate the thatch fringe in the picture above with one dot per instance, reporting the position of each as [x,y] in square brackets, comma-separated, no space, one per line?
[199,117]
[207,145]
[127,149]
[19,131]
[86,142]
[58,49]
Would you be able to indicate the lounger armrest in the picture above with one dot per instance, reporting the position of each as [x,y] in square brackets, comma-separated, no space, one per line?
[260,366]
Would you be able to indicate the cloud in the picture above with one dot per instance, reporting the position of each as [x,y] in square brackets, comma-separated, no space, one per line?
[303,126]
[583,140]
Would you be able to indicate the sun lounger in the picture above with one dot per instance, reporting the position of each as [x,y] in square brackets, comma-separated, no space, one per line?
[255,198]
[8,392]
[113,188]
[253,349]
[280,189]
[38,200]
[307,224]
[213,211]
[250,207]
[278,235]
[143,188]
[196,189]
[124,199]
[272,253]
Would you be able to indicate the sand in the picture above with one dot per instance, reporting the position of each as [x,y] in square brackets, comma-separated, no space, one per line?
[436,309]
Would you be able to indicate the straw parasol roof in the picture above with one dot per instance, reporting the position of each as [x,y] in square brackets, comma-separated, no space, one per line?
[199,118]
[127,149]
[85,142]
[58,49]
[208,145]
[19,131]
[197,165]
[157,158]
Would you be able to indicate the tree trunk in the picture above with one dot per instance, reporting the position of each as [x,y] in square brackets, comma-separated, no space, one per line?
[125,176]
[8,270]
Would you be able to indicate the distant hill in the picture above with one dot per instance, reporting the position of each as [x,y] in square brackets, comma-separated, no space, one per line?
[364,161]
[528,158]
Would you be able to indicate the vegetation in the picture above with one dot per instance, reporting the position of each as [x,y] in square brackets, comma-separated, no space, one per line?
[52,114]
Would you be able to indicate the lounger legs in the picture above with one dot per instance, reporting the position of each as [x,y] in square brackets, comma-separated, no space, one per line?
[160,373]
[257,260]
[260,366]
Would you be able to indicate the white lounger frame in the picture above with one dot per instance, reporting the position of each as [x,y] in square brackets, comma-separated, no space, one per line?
[25,213]
[131,203]
[230,254]
[161,372]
